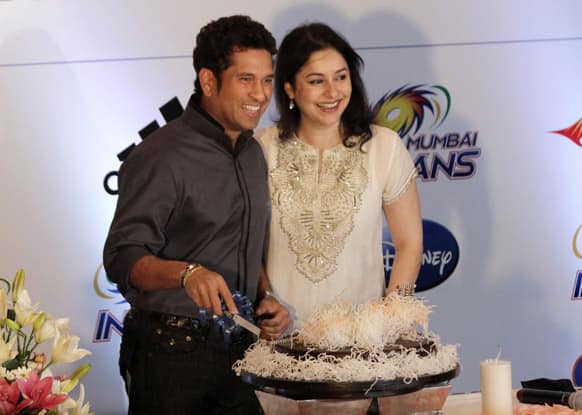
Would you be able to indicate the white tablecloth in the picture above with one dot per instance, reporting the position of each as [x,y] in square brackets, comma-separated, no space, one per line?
[470,404]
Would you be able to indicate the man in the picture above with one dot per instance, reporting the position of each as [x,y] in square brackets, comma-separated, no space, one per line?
[190,228]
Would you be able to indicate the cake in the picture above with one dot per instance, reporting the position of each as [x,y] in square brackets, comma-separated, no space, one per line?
[382,340]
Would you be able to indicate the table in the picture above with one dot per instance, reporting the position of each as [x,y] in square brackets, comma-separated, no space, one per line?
[426,401]
[470,404]
[463,404]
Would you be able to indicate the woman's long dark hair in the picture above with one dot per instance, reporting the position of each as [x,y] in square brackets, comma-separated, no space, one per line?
[294,51]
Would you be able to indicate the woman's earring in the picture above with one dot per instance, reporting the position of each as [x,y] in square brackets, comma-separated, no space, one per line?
[291,104]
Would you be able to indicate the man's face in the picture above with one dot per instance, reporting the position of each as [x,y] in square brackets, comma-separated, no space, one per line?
[246,87]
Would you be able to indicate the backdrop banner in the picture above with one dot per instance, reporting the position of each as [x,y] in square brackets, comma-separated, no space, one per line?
[487,101]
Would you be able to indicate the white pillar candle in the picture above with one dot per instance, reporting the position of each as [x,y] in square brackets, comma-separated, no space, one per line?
[496,393]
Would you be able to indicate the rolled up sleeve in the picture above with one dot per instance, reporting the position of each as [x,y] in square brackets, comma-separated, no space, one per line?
[146,200]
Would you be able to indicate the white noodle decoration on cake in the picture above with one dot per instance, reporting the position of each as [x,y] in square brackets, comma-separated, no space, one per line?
[371,325]
[330,327]
[363,331]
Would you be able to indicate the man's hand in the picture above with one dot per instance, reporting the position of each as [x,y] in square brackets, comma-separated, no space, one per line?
[206,288]
[278,321]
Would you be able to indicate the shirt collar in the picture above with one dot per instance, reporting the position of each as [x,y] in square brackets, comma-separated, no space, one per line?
[194,102]
[243,138]
[212,127]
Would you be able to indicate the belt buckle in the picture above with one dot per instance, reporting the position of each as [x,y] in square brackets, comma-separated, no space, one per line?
[182,322]
[171,320]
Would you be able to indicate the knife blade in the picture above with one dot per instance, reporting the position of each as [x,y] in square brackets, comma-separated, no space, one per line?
[241,321]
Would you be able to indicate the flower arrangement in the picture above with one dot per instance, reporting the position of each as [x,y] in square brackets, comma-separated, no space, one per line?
[27,386]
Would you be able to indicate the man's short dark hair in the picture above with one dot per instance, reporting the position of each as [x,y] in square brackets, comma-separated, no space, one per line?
[219,39]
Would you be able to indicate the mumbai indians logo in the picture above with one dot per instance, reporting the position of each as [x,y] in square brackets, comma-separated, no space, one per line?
[574,132]
[415,112]
[576,248]
[577,295]
[404,109]
[105,288]
[107,323]
[576,243]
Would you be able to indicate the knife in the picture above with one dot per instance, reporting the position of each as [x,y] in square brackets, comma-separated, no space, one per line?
[241,321]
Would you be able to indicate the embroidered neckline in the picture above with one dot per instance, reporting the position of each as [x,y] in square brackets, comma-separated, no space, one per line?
[317,210]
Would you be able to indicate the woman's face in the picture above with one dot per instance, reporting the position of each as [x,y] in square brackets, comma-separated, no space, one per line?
[322,90]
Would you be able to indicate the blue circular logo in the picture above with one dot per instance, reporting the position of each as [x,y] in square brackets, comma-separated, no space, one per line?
[439,257]
[577,372]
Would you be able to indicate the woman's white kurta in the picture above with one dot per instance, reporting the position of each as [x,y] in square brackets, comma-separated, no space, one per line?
[326,227]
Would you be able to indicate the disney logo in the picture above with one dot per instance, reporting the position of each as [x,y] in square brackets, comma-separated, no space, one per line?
[437,259]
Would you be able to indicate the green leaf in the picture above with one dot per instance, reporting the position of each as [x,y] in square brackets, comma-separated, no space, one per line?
[11,364]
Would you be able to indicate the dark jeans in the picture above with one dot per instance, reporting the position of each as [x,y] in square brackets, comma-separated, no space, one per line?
[181,370]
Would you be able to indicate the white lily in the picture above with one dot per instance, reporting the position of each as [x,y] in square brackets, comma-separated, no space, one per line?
[17,285]
[24,309]
[62,325]
[66,350]
[77,406]
[71,383]
[6,352]
[26,327]
[47,330]
[3,304]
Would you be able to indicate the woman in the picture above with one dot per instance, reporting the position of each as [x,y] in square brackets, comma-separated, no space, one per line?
[332,176]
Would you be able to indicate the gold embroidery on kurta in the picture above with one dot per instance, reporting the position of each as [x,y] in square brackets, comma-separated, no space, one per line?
[317,211]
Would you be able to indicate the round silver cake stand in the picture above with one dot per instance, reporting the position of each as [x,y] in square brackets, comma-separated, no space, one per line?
[427,394]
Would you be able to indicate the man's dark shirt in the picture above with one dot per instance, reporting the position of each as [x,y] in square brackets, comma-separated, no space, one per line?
[186,194]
